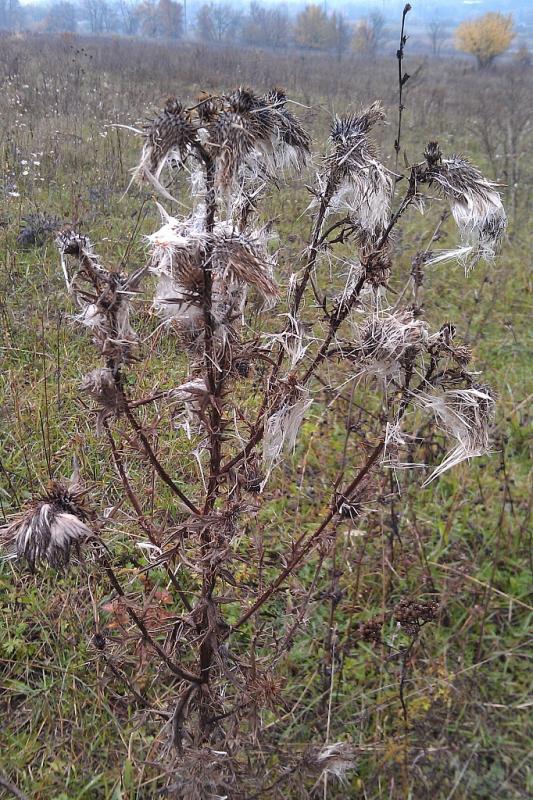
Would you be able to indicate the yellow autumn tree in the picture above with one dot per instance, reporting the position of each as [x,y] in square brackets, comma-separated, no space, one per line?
[314,28]
[485,37]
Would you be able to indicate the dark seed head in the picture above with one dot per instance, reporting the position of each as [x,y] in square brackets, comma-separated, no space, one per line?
[99,641]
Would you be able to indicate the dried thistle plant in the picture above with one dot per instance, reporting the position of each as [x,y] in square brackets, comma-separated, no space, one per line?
[251,379]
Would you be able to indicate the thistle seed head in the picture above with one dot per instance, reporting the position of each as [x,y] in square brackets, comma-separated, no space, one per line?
[243,100]
[358,183]
[171,133]
[385,341]
[282,427]
[433,154]
[276,97]
[475,204]
[36,230]
[334,759]
[51,528]
[206,107]
[464,414]
[354,126]
[103,298]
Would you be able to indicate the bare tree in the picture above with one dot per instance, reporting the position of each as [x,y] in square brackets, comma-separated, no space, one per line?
[161,19]
[437,31]
[170,19]
[217,22]
[98,15]
[62,16]
[266,27]
[128,16]
[370,35]
[11,14]
[342,34]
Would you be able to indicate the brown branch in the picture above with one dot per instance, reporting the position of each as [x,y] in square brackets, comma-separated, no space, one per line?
[304,546]
[145,525]
[11,788]
[181,672]
[163,474]
[313,249]
[215,383]
[402,80]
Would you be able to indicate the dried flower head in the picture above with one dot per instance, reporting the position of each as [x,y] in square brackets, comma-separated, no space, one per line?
[251,476]
[370,631]
[254,136]
[385,341]
[350,509]
[104,298]
[169,138]
[412,615]
[358,182]
[264,689]
[36,230]
[475,204]
[180,254]
[50,528]
[464,414]
[281,427]
[230,142]
[101,385]
[290,142]
[243,259]
[442,344]
[334,759]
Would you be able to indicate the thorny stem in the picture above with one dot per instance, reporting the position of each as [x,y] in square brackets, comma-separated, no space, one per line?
[119,466]
[402,80]
[182,673]
[407,200]
[336,320]
[333,227]
[215,379]
[163,474]
[313,249]
[303,546]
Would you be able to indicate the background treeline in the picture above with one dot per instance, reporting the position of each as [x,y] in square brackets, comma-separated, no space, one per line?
[219,23]
[70,727]
[275,27]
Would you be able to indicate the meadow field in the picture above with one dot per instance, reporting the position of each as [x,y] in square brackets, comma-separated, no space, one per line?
[85,704]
